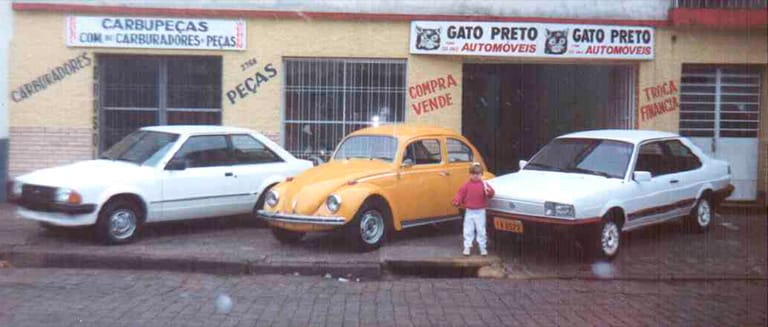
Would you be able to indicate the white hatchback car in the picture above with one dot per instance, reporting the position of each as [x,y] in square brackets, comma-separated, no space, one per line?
[609,181]
[157,174]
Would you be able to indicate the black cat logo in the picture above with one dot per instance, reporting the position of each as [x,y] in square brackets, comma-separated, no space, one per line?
[557,42]
[427,38]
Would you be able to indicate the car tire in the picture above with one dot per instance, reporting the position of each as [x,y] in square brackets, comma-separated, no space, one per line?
[287,236]
[119,221]
[701,216]
[261,223]
[370,227]
[607,239]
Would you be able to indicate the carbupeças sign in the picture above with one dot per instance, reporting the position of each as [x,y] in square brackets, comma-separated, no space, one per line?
[531,40]
[155,32]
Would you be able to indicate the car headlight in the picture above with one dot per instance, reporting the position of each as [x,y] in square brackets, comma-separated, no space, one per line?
[272,198]
[69,196]
[333,202]
[555,209]
[16,189]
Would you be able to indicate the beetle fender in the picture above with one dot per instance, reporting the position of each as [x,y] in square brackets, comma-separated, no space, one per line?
[353,197]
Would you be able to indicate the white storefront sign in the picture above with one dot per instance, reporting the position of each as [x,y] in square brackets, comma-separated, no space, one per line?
[503,39]
[155,32]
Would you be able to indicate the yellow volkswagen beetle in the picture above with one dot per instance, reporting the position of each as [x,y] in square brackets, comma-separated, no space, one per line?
[379,180]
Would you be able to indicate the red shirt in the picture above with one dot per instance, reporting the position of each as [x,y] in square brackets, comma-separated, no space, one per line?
[474,195]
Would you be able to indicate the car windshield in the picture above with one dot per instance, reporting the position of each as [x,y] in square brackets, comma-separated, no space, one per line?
[585,156]
[369,147]
[141,147]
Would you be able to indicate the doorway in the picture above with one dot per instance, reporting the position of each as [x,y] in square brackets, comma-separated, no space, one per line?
[510,111]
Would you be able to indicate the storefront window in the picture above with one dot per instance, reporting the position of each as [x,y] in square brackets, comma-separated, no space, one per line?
[326,99]
[138,91]
[719,101]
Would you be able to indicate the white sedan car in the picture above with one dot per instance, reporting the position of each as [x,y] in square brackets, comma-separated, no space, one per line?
[157,174]
[609,181]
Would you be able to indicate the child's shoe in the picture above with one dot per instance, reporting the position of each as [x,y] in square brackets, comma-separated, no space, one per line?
[466,252]
[483,252]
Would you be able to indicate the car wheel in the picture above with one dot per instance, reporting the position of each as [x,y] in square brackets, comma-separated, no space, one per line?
[608,239]
[369,228]
[259,206]
[287,236]
[701,216]
[118,222]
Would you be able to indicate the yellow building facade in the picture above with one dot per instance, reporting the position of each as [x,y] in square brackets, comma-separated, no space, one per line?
[60,119]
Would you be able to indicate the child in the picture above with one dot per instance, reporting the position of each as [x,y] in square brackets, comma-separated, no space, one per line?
[473,196]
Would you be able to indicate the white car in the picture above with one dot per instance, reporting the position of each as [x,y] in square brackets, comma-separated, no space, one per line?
[157,174]
[609,181]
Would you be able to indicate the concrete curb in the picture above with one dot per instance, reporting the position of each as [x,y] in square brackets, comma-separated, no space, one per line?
[44,259]
[459,267]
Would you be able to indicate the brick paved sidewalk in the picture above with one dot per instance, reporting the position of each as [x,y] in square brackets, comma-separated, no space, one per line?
[60,297]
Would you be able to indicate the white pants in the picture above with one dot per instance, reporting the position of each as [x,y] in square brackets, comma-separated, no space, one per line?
[474,222]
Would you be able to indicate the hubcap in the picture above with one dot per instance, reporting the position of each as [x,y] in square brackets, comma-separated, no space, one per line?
[122,224]
[371,227]
[610,238]
[704,214]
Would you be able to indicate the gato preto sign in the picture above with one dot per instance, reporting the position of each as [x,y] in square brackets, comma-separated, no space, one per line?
[155,32]
[531,40]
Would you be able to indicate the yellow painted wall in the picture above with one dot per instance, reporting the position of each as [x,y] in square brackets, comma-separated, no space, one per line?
[675,47]
[70,102]
[38,45]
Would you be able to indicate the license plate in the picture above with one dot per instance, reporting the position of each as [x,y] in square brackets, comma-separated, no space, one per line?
[509,225]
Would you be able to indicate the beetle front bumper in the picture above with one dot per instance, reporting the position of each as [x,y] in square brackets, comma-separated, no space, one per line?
[301,219]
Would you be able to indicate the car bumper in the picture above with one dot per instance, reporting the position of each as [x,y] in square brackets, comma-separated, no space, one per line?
[539,226]
[301,219]
[721,194]
[58,218]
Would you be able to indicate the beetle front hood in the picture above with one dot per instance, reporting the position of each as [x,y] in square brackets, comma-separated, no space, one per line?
[83,173]
[309,190]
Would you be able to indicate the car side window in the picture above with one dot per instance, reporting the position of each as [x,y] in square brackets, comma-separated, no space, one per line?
[423,152]
[681,158]
[205,151]
[458,151]
[650,158]
[248,150]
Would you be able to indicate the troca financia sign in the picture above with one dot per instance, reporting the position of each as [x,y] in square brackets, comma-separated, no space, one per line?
[531,40]
[155,32]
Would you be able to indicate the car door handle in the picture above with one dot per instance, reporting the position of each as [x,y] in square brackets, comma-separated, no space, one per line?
[229,174]
[674,181]
[445,173]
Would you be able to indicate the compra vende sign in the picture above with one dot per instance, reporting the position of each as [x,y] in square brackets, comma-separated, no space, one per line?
[532,40]
[155,32]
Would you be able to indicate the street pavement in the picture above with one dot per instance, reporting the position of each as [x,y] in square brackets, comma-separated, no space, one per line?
[734,248]
[82,297]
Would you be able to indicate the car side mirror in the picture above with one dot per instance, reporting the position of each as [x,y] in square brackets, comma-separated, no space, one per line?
[641,176]
[176,164]
[407,163]
[522,164]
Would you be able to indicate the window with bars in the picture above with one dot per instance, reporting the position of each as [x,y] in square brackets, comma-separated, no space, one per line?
[326,99]
[719,101]
[138,91]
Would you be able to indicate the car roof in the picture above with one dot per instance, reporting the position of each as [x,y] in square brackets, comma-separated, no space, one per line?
[405,131]
[627,135]
[197,129]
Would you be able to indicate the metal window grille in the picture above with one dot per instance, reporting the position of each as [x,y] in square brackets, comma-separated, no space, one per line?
[138,91]
[326,99]
[722,4]
[722,101]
